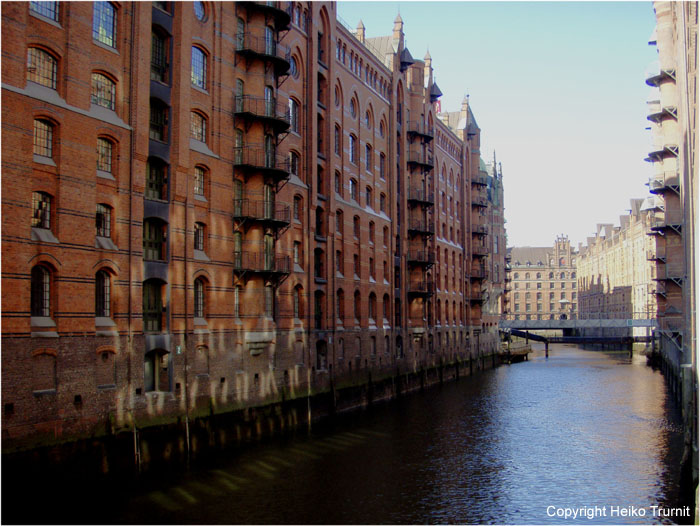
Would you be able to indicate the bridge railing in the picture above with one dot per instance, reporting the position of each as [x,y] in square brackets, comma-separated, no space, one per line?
[522,316]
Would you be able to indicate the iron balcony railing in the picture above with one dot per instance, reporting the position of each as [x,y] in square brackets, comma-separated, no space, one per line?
[420,158]
[421,225]
[421,287]
[480,250]
[259,158]
[421,256]
[670,219]
[421,194]
[281,13]
[478,273]
[261,210]
[266,47]
[664,182]
[420,128]
[249,106]
[656,255]
[480,229]
[480,201]
[261,261]
[480,180]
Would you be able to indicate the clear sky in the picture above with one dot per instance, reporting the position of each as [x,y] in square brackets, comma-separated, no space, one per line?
[558,91]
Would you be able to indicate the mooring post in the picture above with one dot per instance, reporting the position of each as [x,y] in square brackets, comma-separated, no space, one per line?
[546,348]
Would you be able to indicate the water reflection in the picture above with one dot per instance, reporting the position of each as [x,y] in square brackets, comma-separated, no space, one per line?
[582,428]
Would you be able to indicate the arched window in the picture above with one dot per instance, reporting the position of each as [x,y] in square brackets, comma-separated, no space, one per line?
[40,291]
[320,230]
[340,305]
[199,11]
[200,179]
[368,197]
[297,301]
[337,140]
[42,67]
[356,306]
[156,179]
[199,236]
[319,267]
[353,149]
[160,51]
[298,208]
[385,308]
[294,115]
[43,138]
[104,155]
[102,294]
[103,91]
[353,189]
[154,248]
[103,220]
[41,210]
[294,164]
[339,222]
[158,121]
[199,298]
[198,126]
[372,306]
[199,68]
[104,23]
[356,227]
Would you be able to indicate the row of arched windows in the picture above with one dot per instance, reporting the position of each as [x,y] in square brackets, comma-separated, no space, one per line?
[538,275]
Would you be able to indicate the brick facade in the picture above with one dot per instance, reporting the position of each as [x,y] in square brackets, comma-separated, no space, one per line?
[211,206]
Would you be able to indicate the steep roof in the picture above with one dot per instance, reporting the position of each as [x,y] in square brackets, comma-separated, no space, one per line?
[521,255]
[380,47]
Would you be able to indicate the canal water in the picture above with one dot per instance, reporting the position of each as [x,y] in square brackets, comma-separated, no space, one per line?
[511,445]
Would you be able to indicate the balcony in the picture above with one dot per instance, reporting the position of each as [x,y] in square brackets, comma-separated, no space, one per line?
[478,274]
[258,159]
[421,195]
[420,129]
[480,180]
[662,183]
[667,275]
[475,296]
[480,202]
[271,214]
[480,251]
[656,255]
[420,257]
[420,288]
[253,47]
[667,112]
[421,226]
[655,78]
[480,230]
[274,10]
[668,150]
[418,158]
[258,109]
[670,222]
[267,265]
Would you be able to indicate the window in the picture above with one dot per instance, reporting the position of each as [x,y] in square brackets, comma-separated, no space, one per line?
[103,91]
[372,310]
[103,220]
[340,305]
[371,232]
[356,227]
[41,210]
[339,222]
[41,67]
[294,163]
[104,155]
[356,265]
[297,208]
[40,291]
[198,126]
[320,231]
[297,253]
[47,9]
[158,121]
[297,301]
[102,294]
[199,180]
[156,179]
[368,157]
[199,298]
[43,138]
[353,149]
[199,231]
[199,11]
[372,273]
[152,306]
[338,182]
[356,305]
[154,240]
[199,68]
[339,261]
[294,115]
[353,189]
[159,56]
[382,166]
[294,68]
[104,23]
[269,301]
[336,143]
[368,119]
[368,197]
[237,301]
[353,108]
[386,236]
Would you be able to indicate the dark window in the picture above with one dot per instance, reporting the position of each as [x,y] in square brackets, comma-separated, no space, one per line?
[199,230]
[103,220]
[104,23]
[294,115]
[199,180]
[199,298]
[102,294]
[154,240]
[152,306]
[156,180]
[41,291]
[104,155]
[41,210]
[159,57]
[158,121]
[199,10]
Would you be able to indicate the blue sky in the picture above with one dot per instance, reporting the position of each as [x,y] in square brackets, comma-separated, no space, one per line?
[558,91]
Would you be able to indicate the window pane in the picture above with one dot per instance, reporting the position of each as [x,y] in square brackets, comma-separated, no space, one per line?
[104,23]
[40,292]
[41,210]
[47,9]
[159,63]
[102,294]
[103,220]
[198,127]
[41,68]
[43,138]
[198,180]
[199,68]
[103,91]
[199,10]
[104,155]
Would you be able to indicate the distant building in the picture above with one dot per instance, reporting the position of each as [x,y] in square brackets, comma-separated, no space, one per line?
[615,272]
[543,282]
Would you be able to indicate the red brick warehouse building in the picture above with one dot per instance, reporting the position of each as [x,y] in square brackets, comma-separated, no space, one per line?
[209,206]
